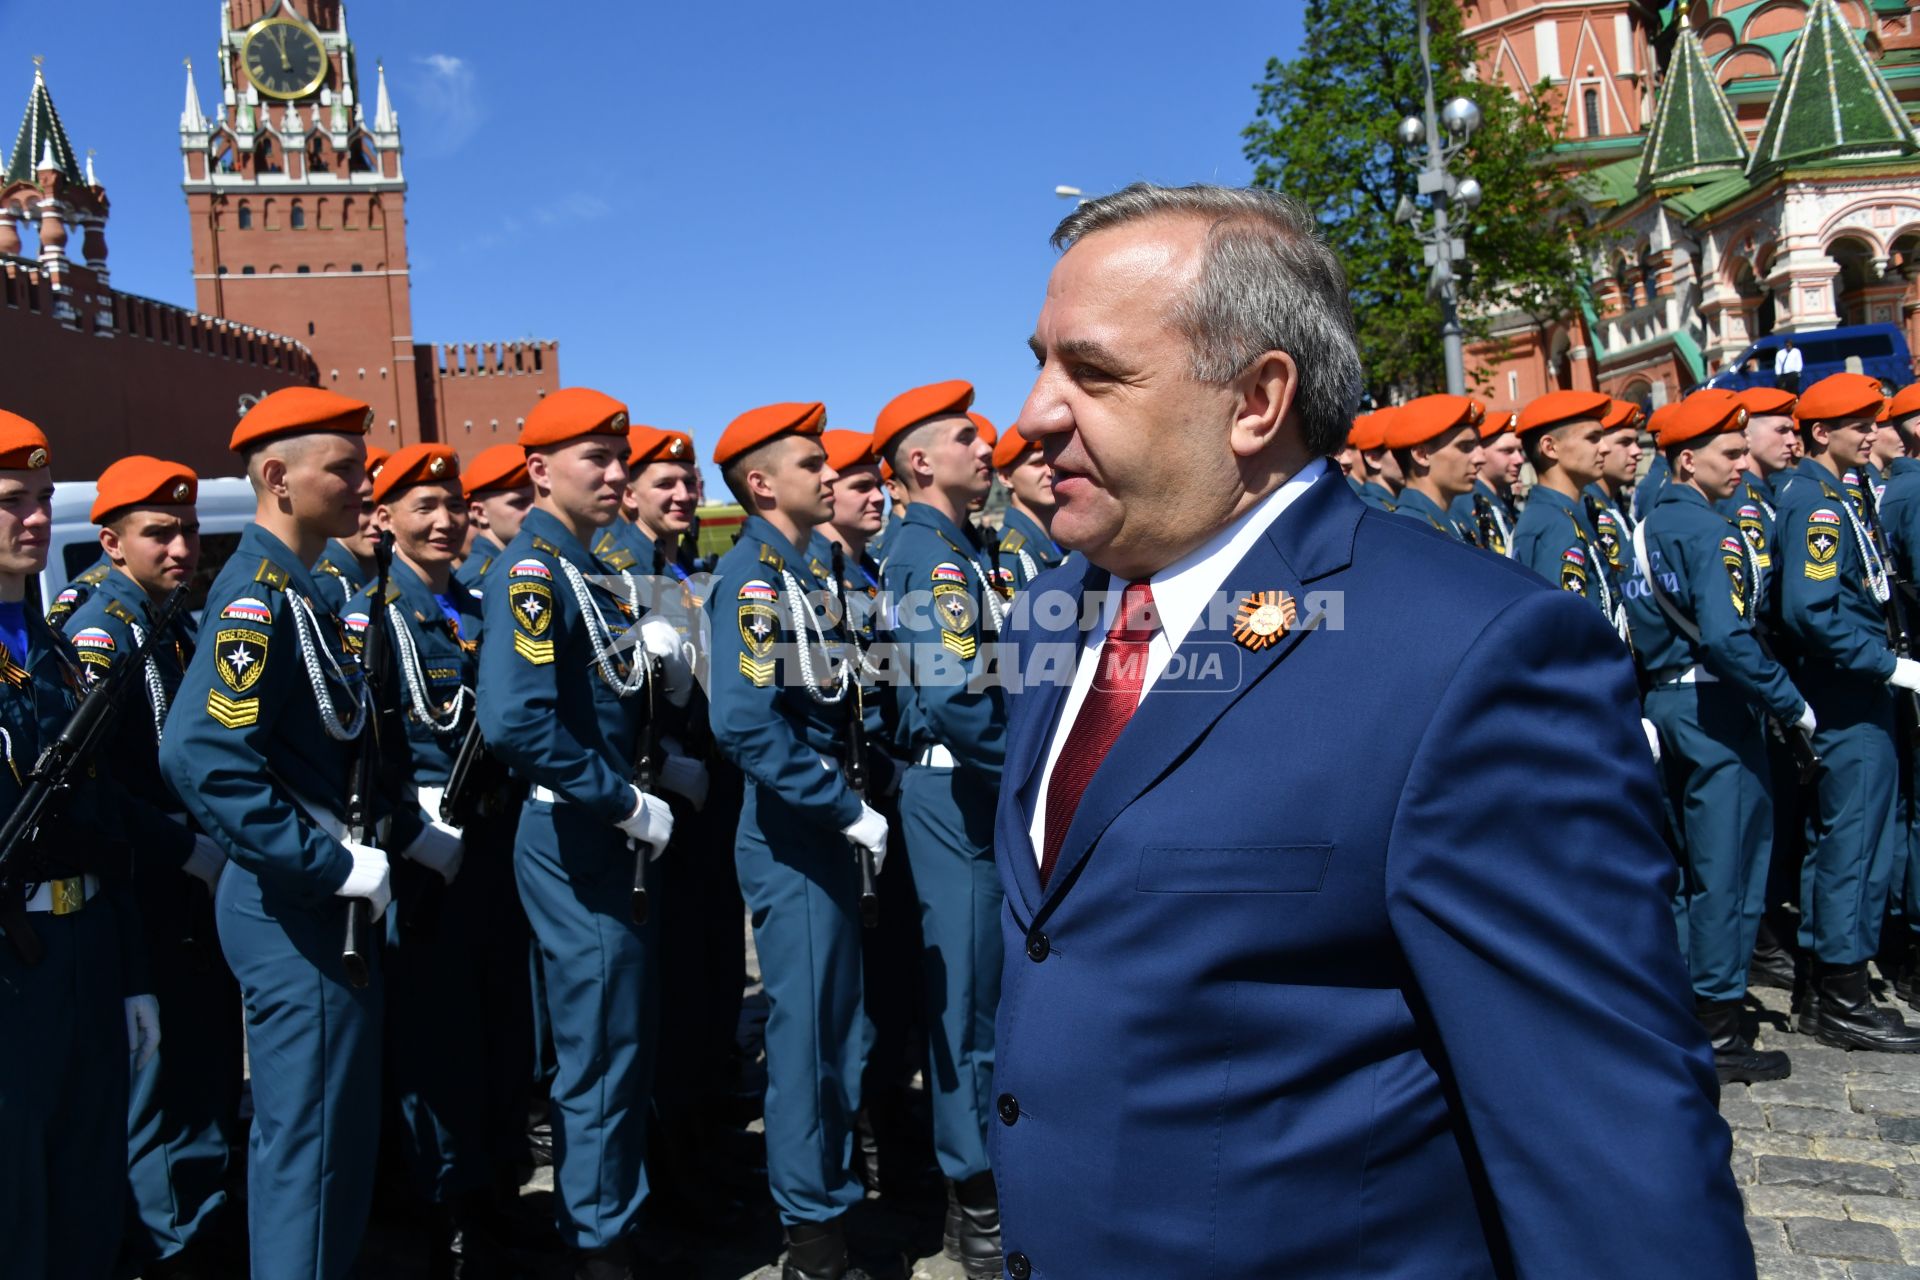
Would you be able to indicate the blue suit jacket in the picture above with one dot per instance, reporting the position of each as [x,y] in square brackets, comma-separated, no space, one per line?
[1369,982]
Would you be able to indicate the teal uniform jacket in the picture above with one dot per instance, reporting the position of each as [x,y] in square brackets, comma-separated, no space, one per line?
[1821,592]
[1027,550]
[337,577]
[1554,540]
[877,545]
[1647,489]
[448,652]
[624,546]
[1751,508]
[1488,516]
[1377,496]
[70,597]
[937,575]
[480,558]
[1704,566]
[1900,515]
[1612,529]
[1421,509]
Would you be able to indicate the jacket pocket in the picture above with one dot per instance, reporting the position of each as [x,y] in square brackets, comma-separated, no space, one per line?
[1250,868]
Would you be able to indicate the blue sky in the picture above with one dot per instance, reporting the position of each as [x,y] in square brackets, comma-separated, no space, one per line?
[713,206]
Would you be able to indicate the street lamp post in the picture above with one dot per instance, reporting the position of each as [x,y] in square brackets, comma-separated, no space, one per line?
[1459,118]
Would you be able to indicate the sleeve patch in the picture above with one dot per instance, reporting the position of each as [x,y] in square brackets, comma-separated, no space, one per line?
[537,652]
[530,569]
[531,601]
[94,665]
[240,656]
[1823,516]
[1822,545]
[247,609]
[948,572]
[759,628]
[94,640]
[953,607]
[758,590]
[758,674]
[354,631]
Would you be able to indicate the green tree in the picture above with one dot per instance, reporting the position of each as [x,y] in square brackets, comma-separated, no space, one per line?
[1324,134]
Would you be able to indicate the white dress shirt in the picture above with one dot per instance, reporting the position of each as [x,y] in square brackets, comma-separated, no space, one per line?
[1785,361]
[1181,594]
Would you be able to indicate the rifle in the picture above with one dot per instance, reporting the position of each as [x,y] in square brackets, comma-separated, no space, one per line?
[1899,633]
[646,756]
[59,762]
[1483,519]
[854,767]
[1799,743]
[373,657]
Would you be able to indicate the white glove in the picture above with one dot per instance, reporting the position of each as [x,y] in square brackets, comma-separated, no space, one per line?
[205,862]
[143,1029]
[369,878]
[869,832]
[1653,739]
[650,823]
[438,847]
[685,777]
[1906,674]
[1806,721]
[658,638]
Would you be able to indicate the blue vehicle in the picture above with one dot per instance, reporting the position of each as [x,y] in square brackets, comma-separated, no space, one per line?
[1878,350]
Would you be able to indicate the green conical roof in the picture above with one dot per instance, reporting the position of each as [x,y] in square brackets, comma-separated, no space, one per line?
[40,132]
[1832,103]
[1695,135]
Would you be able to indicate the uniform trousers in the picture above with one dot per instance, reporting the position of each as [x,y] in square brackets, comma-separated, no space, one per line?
[1852,838]
[1714,764]
[575,874]
[802,888]
[948,817]
[63,1099]
[313,1049]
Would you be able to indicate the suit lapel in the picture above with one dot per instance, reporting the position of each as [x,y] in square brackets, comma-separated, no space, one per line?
[1312,539]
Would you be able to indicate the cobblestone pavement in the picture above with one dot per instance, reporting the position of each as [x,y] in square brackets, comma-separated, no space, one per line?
[1829,1160]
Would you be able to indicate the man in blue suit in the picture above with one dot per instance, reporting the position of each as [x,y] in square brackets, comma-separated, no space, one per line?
[1288,991]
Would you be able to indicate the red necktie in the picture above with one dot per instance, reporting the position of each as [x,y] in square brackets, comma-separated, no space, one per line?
[1105,712]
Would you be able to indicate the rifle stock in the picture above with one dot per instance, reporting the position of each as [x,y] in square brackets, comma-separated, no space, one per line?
[854,766]
[373,655]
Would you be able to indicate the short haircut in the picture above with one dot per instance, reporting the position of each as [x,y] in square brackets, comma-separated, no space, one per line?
[734,473]
[1268,282]
[287,448]
[902,441]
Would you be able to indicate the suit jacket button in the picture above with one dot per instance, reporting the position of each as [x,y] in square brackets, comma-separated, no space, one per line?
[1018,1268]
[1037,946]
[1009,1108]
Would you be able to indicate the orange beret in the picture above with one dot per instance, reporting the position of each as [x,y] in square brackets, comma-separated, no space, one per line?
[1705,412]
[1557,407]
[417,464]
[911,408]
[23,446]
[886,468]
[1905,401]
[847,449]
[1365,433]
[1497,421]
[658,444]
[376,458]
[570,413]
[498,467]
[141,480]
[1657,420]
[987,432]
[1840,395]
[301,411]
[757,426]
[1012,447]
[1757,400]
[1418,421]
[1623,413]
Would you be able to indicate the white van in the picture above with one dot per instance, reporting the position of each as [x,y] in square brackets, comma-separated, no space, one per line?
[225,505]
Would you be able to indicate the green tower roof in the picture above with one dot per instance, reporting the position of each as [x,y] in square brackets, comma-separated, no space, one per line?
[41,132]
[1695,135]
[1832,103]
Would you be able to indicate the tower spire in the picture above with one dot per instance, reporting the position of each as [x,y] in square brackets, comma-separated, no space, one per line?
[41,136]
[1832,102]
[384,120]
[1695,133]
[192,118]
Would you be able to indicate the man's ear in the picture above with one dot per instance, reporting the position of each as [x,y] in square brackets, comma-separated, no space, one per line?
[273,475]
[540,472]
[1549,446]
[1267,390]
[110,544]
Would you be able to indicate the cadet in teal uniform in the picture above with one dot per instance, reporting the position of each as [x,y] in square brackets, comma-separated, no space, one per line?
[1712,682]
[74,1020]
[1831,584]
[184,1111]
[75,593]
[1488,510]
[1379,486]
[456,988]
[258,745]
[896,512]
[1646,490]
[345,566]
[1900,529]
[1751,505]
[1565,438]
[1436,442]
[498,496]
[778,684]
[1606,513]
[1026,548]
[561,704]
[948,611]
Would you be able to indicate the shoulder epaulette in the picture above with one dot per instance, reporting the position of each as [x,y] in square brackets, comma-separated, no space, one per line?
[541,544]
[615,557]
[330,568]
[817,569]
[604,543]
[1013,541]
[769,556]
[94,576]
[1828,491]
[393,592]
[117,610]
[271,574]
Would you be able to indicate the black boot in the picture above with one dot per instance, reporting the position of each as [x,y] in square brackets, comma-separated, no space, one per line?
[972,1236]
[609,1262]
[818,1251]
[1906,977]
[866,1152]
[1735,1060]
[1848,1018]
[1772,964]
[1806,998]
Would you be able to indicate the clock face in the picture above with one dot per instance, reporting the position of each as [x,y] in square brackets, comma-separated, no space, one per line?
[284,59]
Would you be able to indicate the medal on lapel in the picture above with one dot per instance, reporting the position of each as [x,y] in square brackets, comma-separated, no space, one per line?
[1264,617]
